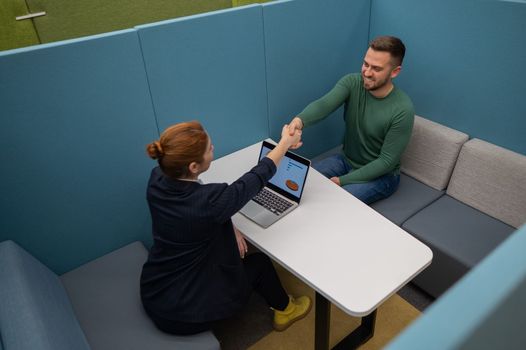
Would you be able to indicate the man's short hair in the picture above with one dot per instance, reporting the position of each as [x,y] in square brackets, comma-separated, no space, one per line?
[390,44]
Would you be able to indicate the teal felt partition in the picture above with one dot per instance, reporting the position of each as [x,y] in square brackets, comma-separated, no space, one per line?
[309,46]
[210,67]
[464,63]
[76,117]
[484,310]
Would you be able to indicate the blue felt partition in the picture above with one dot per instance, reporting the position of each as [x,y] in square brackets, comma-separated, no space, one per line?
[461,66]
[484,310]
[210,67]
[309,46]
[76,117]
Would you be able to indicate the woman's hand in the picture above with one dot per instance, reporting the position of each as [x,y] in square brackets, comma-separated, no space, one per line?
[286,142]
[292,139]
[296,124]
[241,243]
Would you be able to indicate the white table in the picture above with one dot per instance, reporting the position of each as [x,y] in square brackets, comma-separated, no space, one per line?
[349,254]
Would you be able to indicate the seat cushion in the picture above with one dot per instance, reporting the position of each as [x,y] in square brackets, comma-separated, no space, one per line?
[460,237]
[35,311]
[491,179]
[432,152]
[411,196]
[105,295]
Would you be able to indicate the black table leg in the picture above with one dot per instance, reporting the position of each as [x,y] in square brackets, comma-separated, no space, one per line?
[323,323]
[360,335]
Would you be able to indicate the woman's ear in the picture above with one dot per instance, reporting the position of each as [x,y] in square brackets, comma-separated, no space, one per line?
[194,168]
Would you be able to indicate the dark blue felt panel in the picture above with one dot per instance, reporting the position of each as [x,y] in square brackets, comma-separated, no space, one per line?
[76,117]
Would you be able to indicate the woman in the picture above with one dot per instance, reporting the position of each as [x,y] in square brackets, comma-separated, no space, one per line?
[197,272]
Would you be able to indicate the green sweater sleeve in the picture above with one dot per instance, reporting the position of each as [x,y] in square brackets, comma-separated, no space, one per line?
[394,145]
[324,106]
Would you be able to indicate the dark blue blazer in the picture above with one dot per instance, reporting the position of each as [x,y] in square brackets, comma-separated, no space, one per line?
[194,272]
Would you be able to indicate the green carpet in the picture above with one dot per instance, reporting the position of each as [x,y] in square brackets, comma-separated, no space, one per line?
[13,33]
[67,19]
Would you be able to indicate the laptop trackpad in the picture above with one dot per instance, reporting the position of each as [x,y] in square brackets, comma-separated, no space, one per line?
[257,213]
[252,209]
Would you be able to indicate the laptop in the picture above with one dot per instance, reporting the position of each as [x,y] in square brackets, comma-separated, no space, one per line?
[282,193]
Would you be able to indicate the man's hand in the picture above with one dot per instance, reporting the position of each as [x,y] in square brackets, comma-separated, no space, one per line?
[336,180]
[241,243]
[295,124]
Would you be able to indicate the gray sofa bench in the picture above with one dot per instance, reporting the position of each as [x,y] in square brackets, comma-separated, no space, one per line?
[460,197]
[95,306]
[485,202]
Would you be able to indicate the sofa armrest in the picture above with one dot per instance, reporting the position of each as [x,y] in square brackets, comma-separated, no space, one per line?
[35,311]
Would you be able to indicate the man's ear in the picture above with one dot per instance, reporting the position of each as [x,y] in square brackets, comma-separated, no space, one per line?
[395,72]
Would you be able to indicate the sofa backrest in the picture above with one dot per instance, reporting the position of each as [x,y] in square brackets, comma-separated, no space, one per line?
[432,152]
[491,179]
[35,311]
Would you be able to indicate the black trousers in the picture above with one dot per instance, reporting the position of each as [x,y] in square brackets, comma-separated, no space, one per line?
[264,280]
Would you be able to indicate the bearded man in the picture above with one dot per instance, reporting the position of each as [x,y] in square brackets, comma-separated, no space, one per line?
[378,123]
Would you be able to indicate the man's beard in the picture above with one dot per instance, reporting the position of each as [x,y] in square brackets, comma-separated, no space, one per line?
[374,84]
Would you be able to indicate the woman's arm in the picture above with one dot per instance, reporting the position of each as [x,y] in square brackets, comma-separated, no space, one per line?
[233,197]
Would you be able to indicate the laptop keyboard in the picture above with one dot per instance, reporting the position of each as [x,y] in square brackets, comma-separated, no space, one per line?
[272,202]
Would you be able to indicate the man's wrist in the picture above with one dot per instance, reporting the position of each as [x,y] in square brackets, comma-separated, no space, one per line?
[301,122]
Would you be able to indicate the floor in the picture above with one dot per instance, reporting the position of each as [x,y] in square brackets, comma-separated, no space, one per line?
[255,321]
[416,296]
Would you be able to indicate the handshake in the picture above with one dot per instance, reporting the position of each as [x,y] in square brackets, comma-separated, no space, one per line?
[291,133]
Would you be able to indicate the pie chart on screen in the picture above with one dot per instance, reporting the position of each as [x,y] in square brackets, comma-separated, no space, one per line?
[292,185]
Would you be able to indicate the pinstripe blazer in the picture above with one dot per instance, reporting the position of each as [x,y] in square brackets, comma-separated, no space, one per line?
[194,272]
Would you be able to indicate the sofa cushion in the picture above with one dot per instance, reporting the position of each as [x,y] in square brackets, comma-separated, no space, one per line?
[491,179]
[35,311]
[432,152]
[410,197]
[105,296]
[460,237]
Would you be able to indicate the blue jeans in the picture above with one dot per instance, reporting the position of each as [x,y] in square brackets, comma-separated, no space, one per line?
[368,192]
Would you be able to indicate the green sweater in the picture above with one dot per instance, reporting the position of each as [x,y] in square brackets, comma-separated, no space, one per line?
[377,129]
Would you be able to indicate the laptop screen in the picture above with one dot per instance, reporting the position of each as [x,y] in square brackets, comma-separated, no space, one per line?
[291,174]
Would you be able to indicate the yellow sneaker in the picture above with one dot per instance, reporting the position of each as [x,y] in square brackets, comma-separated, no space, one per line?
[295,310]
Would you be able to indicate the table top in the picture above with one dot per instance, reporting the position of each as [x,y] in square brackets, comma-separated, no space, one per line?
[339,246]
